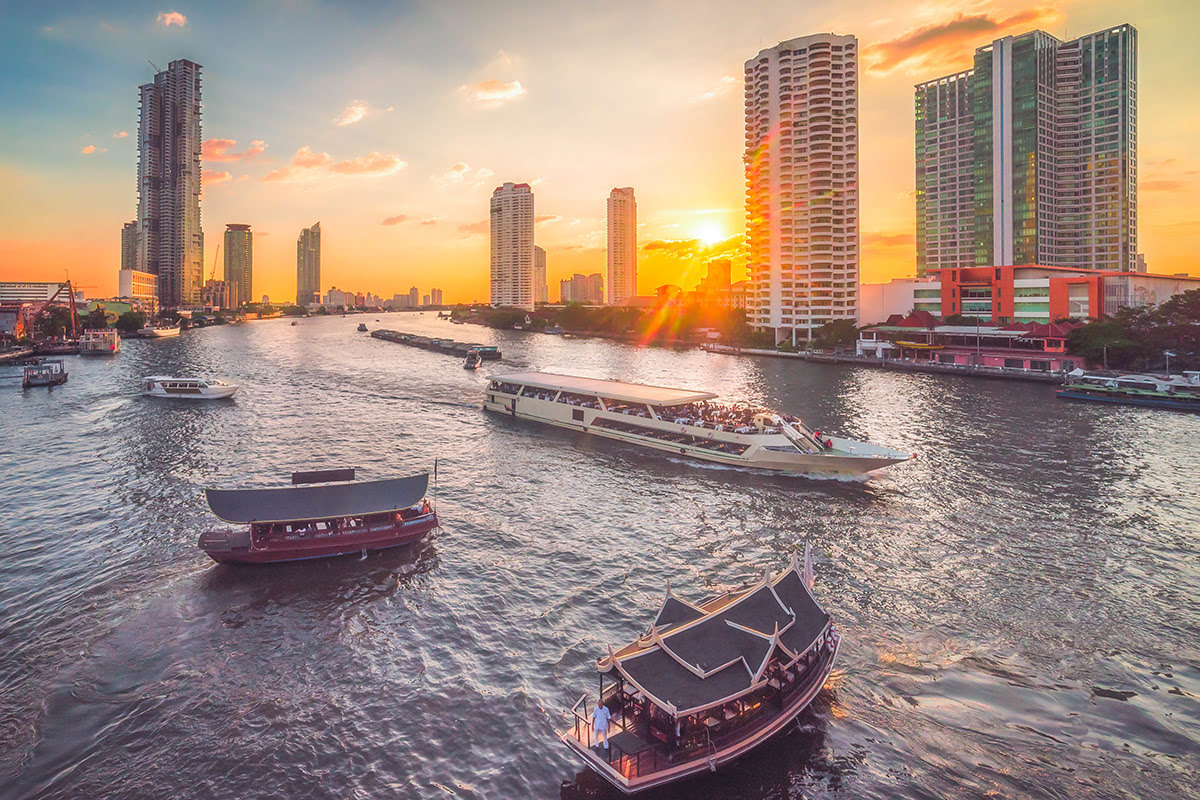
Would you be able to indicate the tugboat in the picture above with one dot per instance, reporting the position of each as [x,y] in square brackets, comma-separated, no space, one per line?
[50,372]
[303,521]
[362,327]
[706,683]
[473,361]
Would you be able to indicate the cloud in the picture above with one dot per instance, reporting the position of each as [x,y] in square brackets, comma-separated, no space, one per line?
[722,87]
[356,112]
[88,149]
[430,221]
[210,178]
[219,150]
[1163,185]
[471,228]
[492,93]
[888,239]
[169,18]
[691,248]
[307,165]
[538,219]
[120,134]
[949,44]
[460,172]
[396,220]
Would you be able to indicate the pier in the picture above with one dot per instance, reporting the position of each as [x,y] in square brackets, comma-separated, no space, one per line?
[438,345]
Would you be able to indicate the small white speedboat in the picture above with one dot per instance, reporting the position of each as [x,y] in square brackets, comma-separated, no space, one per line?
[187,388]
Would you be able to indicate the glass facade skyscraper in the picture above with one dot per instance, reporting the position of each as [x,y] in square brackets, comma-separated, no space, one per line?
[1031,156]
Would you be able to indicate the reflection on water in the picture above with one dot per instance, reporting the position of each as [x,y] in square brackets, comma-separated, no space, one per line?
[1018,602]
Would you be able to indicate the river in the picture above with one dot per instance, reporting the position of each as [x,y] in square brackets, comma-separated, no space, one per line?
[1020,603]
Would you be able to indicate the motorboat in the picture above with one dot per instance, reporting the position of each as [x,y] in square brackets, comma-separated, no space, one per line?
[362,327]
[159,331]
[48,372]
[473,360]
[684,422]
[707,683]
[187,388]
[100,342]
[324,513]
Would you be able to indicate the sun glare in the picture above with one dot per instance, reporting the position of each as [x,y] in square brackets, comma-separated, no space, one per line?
[709,233]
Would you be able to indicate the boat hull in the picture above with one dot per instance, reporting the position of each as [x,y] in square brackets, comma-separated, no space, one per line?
[756,456]
[1131,400]
[708,763]
[209,393]
[235,547]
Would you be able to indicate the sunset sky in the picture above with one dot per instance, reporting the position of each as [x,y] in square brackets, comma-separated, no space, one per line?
[391,123]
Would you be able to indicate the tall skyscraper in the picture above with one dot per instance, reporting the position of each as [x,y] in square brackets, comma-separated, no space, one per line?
[512,246]
[129,245]
[1030,157]
[239,263]
[539,276]
[802,184]
[308,265]
[622,246]
[170,240]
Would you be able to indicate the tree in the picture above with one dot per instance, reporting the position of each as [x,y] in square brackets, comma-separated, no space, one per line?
[835,333]
[97,318]
[131,321]
[54,321]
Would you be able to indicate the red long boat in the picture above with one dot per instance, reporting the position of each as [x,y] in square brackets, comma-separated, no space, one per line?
[295,523]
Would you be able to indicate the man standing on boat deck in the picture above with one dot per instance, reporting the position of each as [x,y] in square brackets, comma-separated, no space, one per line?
[600,718]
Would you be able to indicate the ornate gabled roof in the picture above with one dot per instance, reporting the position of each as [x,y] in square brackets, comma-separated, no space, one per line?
[695,657]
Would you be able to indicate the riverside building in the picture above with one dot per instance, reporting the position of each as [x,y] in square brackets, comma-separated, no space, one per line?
[801,164]
[512,246]
[1030,157]
[239,263]
[170,240]
[541,289]
[622,246]
[308,265]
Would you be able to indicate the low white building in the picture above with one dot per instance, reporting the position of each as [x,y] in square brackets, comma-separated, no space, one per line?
[135,285]
[878,301]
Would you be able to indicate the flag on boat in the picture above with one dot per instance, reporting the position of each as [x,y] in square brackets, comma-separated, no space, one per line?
[1169,353]
[809,579]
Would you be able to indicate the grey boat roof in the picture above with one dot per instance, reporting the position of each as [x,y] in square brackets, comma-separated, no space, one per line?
[321,501]
[617,390]
[694,659]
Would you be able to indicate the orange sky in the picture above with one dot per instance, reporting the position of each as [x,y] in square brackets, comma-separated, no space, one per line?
[393,131]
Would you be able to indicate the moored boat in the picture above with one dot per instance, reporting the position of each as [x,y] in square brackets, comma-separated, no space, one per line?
[159,331]
[707,683]
[1174,392]
[99,342]
[187,388]
[48,372]
[327,514]
[683,422]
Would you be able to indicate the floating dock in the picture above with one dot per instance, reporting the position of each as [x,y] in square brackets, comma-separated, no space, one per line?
[438,345]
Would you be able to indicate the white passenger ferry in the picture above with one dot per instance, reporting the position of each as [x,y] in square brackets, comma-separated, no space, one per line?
[99,342]
[684,422]
[188,388]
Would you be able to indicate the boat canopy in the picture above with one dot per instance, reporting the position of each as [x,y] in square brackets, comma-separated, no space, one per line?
[627,392]
[329,501]
[699,657]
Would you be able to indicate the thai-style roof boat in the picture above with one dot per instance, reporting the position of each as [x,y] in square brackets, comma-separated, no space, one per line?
[329,514]
[683,421]
[707,683]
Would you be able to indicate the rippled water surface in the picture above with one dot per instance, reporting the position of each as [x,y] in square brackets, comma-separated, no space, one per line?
[1020,604]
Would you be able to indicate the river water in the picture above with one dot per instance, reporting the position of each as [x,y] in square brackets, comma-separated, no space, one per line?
[1020,603]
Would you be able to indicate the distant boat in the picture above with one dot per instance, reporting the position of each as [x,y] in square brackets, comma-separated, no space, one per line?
[187,388]
[336,518]
[49,372]
[100,342]
[1175,392]
[362,327]
[473,360]
[159,331]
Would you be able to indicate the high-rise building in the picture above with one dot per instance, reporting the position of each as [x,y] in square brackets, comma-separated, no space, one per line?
[435,295]
[170,240]
[801,164]
[239,263]
[541,290]
[512,246]
[129,246]
[308,265]
[622,246]
[414,297]
[1030,157]
[586,289]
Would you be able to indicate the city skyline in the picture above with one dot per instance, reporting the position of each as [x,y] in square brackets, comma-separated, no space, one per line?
[403,204]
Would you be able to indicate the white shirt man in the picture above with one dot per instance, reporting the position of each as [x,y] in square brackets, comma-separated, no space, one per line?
[600,718]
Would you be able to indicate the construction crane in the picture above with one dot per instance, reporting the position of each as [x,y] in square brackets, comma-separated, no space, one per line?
[212,276]
[70,301]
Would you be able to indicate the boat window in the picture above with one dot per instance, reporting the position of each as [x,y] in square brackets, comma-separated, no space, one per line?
[577,414]
[576,399]
[509,388]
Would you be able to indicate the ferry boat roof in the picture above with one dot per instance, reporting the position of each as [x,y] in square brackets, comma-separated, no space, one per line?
[698,657]
[327,501]
[617,390]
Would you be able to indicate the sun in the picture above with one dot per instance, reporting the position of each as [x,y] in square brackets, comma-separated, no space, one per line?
[709,233]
